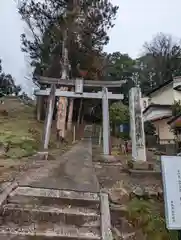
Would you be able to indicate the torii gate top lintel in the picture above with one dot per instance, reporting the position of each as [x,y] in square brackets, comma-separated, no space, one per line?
[86,83]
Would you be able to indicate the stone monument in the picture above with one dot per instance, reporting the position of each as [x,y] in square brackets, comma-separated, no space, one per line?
[137,125]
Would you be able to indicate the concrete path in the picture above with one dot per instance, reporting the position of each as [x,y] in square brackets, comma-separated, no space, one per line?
[73,171]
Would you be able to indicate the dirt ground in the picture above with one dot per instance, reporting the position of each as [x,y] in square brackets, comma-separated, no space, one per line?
[11,169]
[111,172]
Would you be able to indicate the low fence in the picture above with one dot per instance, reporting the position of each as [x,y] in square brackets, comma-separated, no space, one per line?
[168,149]
[96,134]
[167,146]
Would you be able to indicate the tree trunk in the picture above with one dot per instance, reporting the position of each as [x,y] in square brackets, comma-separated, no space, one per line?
[61,114]
[70,114]
[63,102]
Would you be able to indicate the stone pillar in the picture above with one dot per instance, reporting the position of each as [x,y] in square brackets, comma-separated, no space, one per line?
[137,125]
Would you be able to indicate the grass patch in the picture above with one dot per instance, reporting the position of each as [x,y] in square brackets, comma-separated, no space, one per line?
[19,130]
[147,216]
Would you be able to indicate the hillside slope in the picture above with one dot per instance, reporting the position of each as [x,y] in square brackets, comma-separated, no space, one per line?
[20,133]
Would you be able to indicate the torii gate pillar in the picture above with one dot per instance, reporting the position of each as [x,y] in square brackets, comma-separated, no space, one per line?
[105,122]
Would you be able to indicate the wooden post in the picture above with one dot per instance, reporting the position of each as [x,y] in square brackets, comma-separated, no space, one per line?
[39,107]
[79,114]
[179,234]
[82,118]
[70,113]
[100,135]
[74,132]
[49,116]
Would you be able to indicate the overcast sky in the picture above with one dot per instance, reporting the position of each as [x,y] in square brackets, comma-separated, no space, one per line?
[137,22]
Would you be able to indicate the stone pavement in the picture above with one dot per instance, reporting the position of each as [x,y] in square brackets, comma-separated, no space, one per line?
[73,171]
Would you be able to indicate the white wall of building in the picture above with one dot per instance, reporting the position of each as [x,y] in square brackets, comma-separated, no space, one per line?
[163,130]
[163,96]
[167,95]
[177,95]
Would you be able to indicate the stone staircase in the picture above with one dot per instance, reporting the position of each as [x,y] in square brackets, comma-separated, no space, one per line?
[40,207]
[37,213]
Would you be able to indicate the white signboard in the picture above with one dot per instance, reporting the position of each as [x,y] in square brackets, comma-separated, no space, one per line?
[171,173]
[79,85]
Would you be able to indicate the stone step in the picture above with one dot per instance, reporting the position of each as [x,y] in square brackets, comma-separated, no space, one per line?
[47,197]
[20,213]
[46,232]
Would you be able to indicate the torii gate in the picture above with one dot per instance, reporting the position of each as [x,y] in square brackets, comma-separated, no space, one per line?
[79,93]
